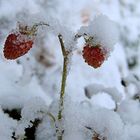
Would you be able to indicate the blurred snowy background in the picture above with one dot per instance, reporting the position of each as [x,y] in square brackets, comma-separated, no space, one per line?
[102,103]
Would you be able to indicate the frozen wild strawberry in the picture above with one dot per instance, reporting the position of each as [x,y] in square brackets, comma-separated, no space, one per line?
[94,55]
[16,45]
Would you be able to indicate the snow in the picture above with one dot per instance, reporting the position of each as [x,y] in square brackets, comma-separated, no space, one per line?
[7,124]
[106,128]
[100,120]
[96,102]
[103,30]
[129,111]
[96,88]
[17,92]
[46,130]
[34,109]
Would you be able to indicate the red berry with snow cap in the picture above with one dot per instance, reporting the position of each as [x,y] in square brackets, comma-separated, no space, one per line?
[94,55]
[16,45]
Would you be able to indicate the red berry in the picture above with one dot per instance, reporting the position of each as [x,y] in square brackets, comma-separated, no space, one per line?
[94,55]
[17,45]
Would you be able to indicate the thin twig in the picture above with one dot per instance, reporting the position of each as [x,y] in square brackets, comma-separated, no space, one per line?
[40,24]
[62,45]
[63,83]
[51,116]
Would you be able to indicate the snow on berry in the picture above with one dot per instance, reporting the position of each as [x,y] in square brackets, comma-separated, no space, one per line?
[94,55]
[103,30]
[100,36]
[17,44]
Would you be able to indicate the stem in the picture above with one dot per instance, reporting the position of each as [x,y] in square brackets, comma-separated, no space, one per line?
[62,45]
[77,36]
[63,83]
[40,24]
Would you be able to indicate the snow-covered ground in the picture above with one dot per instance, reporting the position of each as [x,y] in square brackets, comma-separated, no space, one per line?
[100,103]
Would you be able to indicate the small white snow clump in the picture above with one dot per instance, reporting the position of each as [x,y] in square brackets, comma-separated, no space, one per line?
[129,111]
[7,126]
[103,122]
[103,30]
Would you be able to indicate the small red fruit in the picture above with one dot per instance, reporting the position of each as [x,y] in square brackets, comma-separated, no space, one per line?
[94,55]
[16,45]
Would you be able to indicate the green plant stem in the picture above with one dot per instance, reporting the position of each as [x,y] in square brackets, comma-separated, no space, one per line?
[62,45]
[63,83]
[40,24]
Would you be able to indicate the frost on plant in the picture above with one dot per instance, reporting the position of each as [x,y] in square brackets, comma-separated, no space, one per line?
[42,105]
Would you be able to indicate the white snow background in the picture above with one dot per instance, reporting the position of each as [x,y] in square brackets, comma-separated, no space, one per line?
[96,101]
